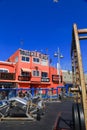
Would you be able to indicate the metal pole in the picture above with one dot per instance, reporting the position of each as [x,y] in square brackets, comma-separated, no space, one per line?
[58,64]
[58,55]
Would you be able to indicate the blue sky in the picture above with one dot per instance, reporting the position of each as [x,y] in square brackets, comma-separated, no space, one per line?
[41,24]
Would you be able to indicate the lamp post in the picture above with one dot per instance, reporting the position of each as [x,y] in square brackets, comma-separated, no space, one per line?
[59,56]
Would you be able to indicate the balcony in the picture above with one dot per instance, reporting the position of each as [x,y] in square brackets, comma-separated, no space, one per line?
[24,78]
[7,76]
[45,79]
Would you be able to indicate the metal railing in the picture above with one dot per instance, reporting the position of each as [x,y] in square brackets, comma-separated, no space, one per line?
[24,78]
[44,93]
[7,76]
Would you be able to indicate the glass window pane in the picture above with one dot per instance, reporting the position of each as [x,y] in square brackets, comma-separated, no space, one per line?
[44,74]
[27,58]
[36,60]
[23,58]
[36,73]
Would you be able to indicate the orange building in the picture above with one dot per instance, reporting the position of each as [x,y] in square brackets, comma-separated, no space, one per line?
[27,69]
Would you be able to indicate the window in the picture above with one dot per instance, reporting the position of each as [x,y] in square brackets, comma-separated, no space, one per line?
[4,70]
[44,62]
[36,73]
[16,59]
[36,60]
[70,77]
[25,73]
[44,74]
[23,58]
[26,59]
[65,77]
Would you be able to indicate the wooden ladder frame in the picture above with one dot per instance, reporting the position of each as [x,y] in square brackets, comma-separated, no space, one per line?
[77,68]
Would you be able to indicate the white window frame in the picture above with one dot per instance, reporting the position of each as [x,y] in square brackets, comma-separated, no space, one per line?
[25,58]
[16,59]
[44,61]
[4,69]
[36,75]
[36,62]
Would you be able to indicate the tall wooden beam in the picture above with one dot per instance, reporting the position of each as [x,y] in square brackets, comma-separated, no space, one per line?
[76,33]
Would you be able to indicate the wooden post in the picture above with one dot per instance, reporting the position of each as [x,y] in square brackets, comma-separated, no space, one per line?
[76,44]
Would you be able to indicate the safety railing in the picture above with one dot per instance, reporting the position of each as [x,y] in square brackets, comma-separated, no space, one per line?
[44,93]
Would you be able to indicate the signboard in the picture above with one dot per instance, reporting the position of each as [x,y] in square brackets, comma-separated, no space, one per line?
[55,78]
[25,52]
[33,53]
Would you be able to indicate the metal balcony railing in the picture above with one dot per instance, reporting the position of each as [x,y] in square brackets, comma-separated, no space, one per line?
[24,78]
[45,79]
[7,76]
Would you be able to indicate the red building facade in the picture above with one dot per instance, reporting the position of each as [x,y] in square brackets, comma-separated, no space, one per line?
[27,69]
